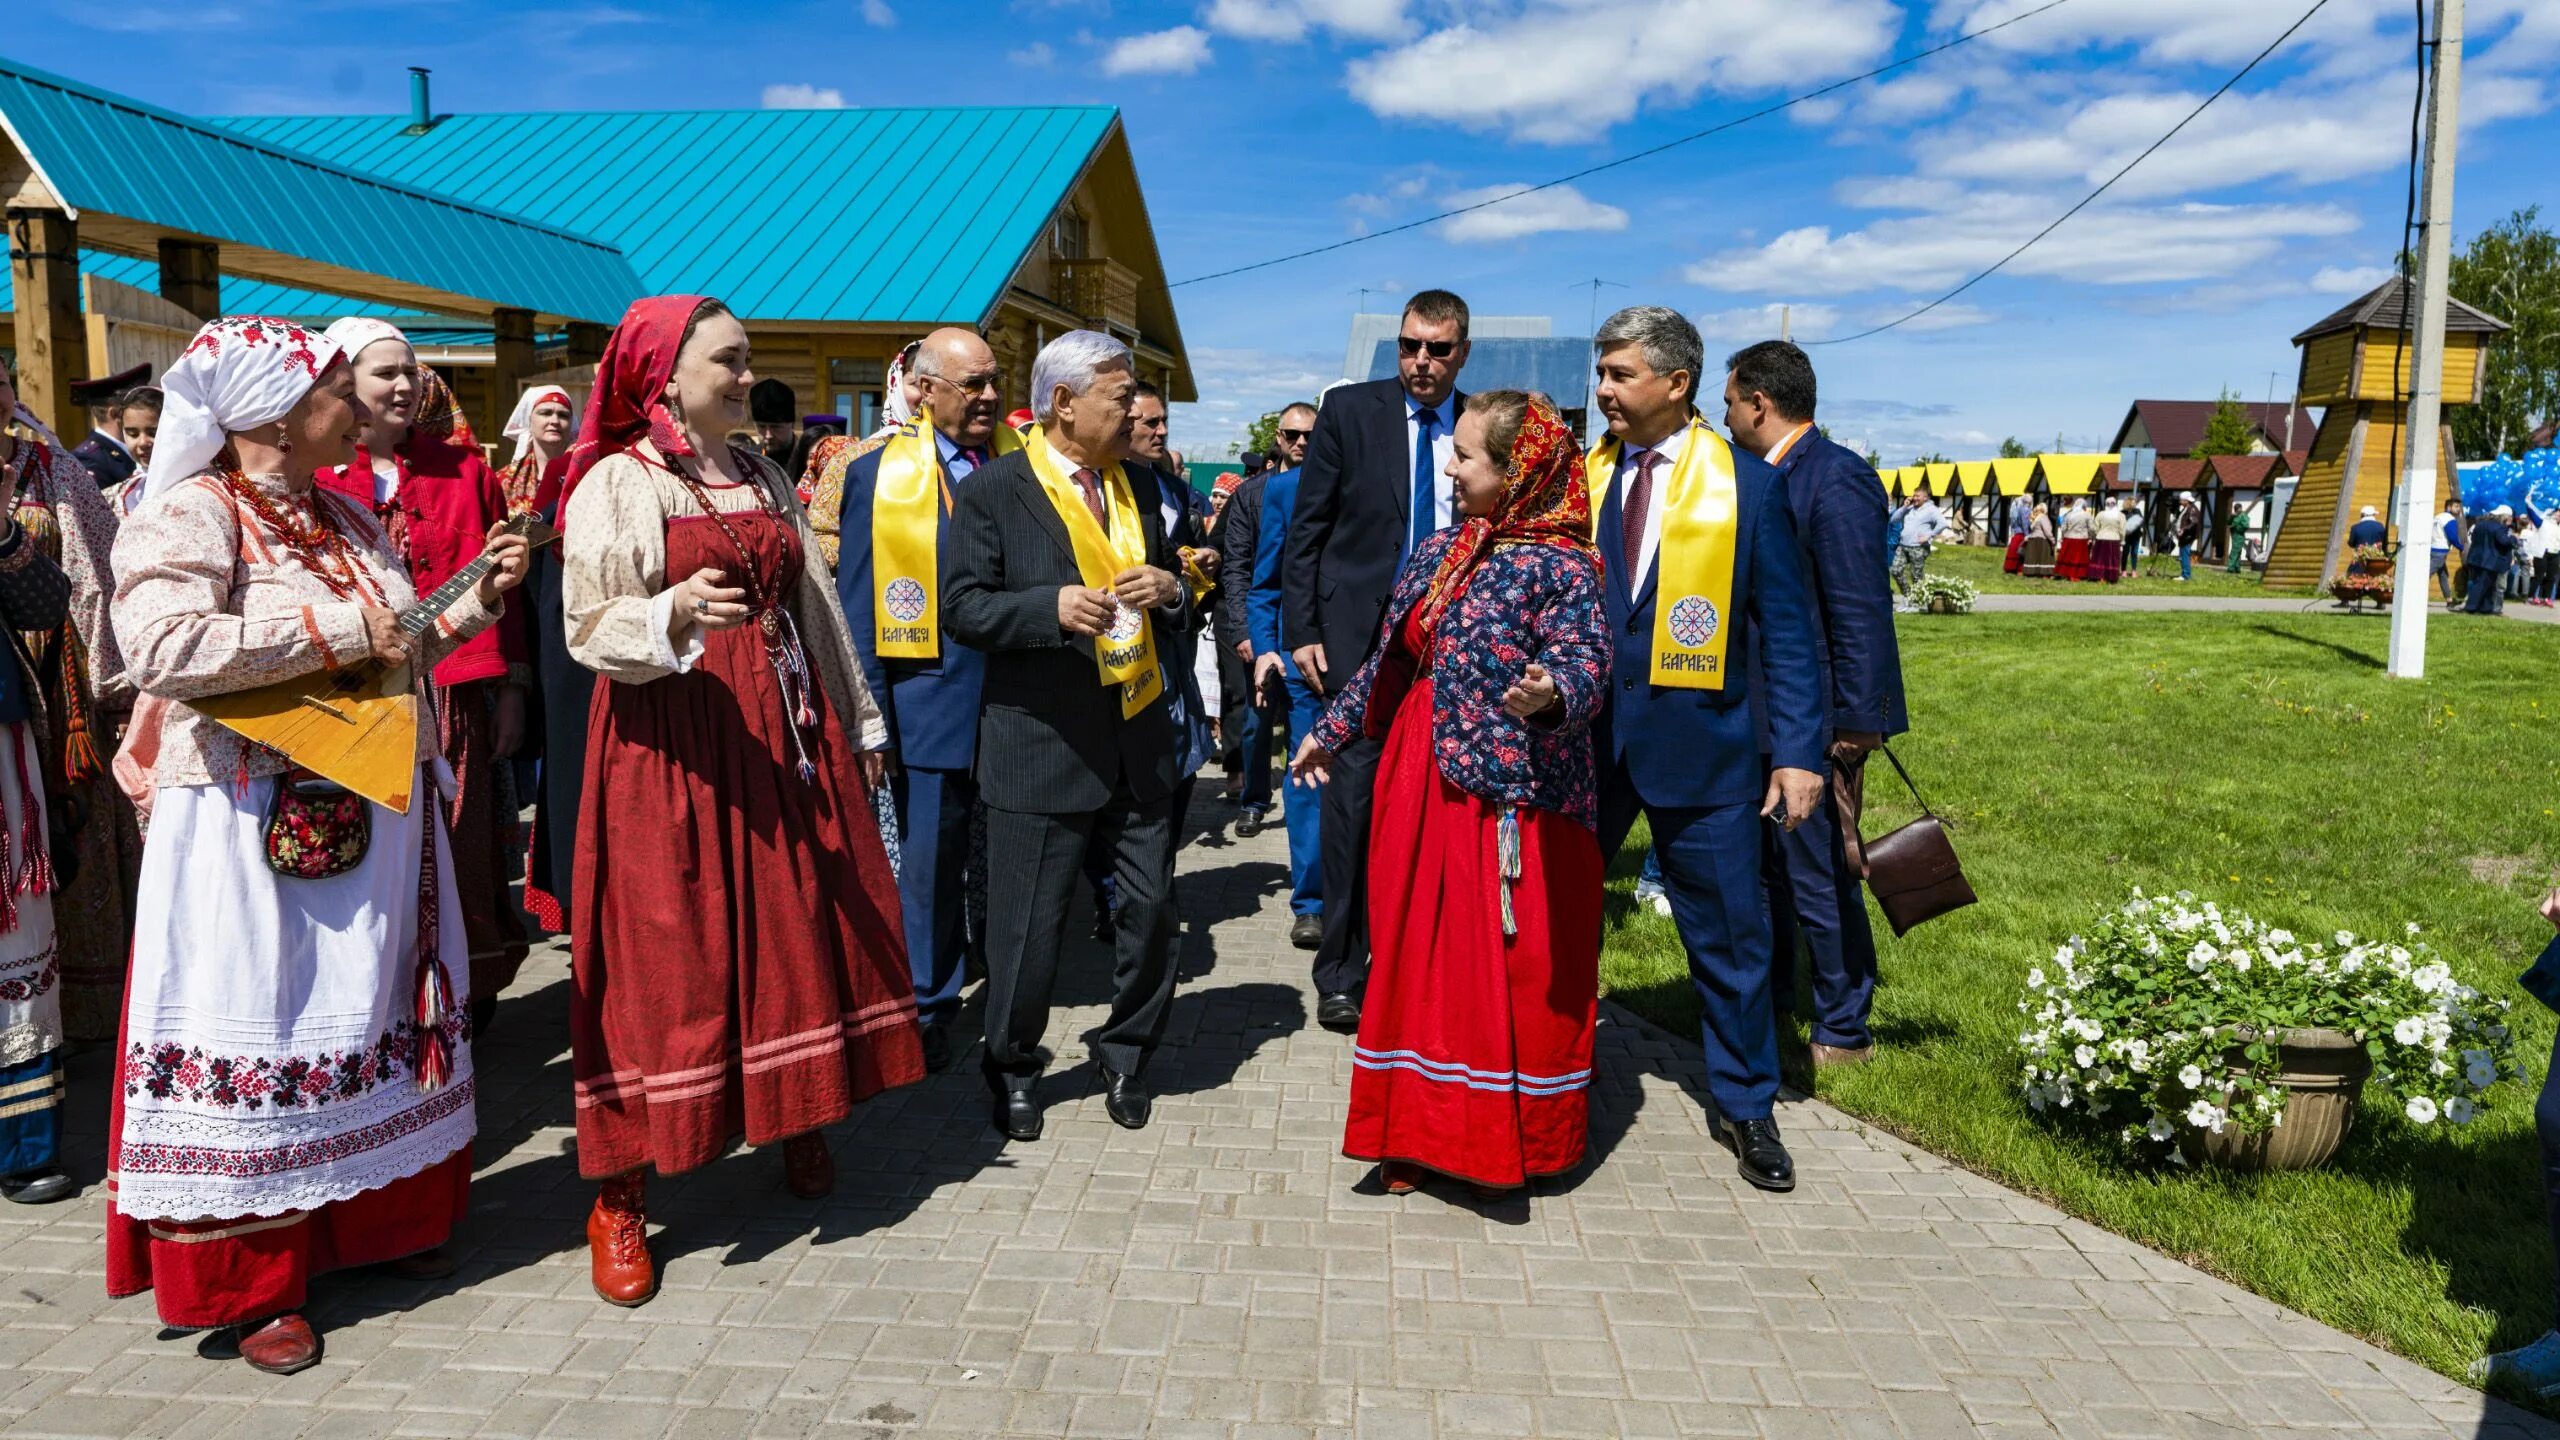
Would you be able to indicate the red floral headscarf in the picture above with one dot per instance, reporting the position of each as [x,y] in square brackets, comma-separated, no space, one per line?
[1545,501]
[628,402]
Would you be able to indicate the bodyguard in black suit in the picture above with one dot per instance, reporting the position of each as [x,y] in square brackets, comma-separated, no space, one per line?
[102,452]
[1059,766]
[1839,512]
[1374,485]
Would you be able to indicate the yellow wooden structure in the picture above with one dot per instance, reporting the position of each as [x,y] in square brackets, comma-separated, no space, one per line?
[2356,364]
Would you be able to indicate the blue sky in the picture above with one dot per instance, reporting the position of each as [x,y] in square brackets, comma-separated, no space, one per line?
[1267,126]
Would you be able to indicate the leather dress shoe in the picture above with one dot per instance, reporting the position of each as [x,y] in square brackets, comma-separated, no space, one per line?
[1827,1057]
[1126,1098]
[937,1049]
[1017,1112]
[1763,1157]
[1339,1012]
[282,1346]
[808,1170]
[38,1187]
[1248,824]
[1307,932]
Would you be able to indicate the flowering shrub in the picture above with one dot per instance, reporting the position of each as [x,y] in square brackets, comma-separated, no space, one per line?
[1959,594]
[2166,1014]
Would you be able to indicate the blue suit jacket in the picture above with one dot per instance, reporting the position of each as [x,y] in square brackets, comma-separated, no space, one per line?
[1262,601]
[931,705]
[1838,508]
[1698,748]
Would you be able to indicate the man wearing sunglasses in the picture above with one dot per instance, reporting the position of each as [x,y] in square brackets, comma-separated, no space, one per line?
[1375,485]
[1241,537]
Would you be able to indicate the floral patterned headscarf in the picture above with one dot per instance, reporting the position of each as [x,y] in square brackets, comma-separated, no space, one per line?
[1546,500]
[440,416]
[240,372]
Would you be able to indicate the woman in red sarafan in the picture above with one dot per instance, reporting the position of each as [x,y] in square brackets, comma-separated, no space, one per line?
[1474,1053]
[735,943]
[436,498]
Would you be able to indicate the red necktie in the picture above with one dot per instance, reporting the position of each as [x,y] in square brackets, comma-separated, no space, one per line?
[1092,483]
[1631,534]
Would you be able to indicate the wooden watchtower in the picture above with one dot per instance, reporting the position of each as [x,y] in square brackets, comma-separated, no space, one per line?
[2356,364]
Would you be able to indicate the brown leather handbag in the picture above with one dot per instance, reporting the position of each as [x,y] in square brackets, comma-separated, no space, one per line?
[1913,870]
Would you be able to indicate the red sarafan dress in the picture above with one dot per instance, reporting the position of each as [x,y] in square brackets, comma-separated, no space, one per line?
[738,962]
[1475,1047]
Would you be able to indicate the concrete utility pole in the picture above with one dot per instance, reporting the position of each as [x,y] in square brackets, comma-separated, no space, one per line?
[2426,358]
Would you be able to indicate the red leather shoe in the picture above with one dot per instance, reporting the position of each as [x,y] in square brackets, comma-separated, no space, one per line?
[618,1243]
[282,1346]
[1400,1177]
[807,1168]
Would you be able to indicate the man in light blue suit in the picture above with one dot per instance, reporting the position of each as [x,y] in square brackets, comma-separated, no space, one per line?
[931,705]
[1687,758]
[1273,668]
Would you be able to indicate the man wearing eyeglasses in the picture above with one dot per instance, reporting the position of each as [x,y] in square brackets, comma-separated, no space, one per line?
[1375,485]
[1284,698]
[927,684]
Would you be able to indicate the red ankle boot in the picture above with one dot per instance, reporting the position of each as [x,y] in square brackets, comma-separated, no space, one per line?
[618,1242]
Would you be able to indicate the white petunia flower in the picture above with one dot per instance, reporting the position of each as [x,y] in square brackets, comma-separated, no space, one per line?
[2205,1115]
[2410,1030]
[2482,1073]
[2035,978]
[2460,1111]
[2159,1128]
[2421,1109]
[2191,1076]
[2086,1056]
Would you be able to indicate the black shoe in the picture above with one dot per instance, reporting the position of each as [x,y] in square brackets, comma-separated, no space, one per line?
[1339,1013]
[1017,1112]
[1125,1096]
[1307,932]
[1104,931]
[1763,1158]
[937,1049]
[1248,824]
[37,1187]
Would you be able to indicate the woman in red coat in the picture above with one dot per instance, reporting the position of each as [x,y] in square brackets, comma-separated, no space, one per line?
[437,499]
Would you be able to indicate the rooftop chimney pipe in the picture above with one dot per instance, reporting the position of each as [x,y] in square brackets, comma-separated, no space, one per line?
[421,114]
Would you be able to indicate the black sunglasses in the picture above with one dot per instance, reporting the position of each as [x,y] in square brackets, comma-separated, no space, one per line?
[1295,434]
[1440,349]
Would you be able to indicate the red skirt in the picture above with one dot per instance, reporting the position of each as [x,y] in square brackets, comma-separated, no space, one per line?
[1474,1056]
[2071,562]
[488,843]
[2013,564]
[736,956]
[2106,561]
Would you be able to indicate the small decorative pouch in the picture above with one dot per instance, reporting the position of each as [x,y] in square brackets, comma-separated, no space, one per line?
[316,828]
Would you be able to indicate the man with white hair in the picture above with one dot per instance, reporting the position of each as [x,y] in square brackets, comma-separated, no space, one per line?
[2491,553]
[1058,570]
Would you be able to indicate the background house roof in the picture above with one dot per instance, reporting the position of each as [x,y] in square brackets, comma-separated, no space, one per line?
[805,215]
[2245,472]
[2383,306]
[2175,427]
[131,173]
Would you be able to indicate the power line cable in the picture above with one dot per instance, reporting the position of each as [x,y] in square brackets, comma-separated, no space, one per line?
[1588,171]
[2091,197]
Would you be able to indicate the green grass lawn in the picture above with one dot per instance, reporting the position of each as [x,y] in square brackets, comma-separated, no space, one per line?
[1981,565]
[2264,761]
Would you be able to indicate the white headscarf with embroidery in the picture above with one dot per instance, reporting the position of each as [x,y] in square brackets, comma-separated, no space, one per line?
[520,424]
[240,372]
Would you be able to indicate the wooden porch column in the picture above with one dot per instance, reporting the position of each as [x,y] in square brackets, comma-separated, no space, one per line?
[191,276]
[52,335]
[512,351]
[586,342]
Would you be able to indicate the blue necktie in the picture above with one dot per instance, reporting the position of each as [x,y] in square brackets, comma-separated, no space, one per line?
[1426,507]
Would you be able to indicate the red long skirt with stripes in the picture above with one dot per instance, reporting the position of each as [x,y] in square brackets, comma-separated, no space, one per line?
[1474,1055]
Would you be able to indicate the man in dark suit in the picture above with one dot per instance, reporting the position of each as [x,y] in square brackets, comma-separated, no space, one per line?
[1059,764]
[1374,484]
[1685,755]
[102,453]
[931,704]
[1239,541]
[1838,505]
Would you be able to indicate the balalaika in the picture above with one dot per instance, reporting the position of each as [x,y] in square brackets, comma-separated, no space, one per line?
[357,725]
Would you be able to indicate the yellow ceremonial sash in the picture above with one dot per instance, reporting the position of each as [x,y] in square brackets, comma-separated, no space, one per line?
[1125,653]
[1693,567]
[906,534]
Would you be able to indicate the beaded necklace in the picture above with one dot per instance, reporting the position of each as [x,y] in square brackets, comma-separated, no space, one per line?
[314,537]
[781,635]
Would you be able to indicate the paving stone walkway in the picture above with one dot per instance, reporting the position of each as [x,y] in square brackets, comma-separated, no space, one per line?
[1224,1274]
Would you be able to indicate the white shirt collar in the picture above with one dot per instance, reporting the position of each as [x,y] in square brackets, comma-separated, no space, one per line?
[1059,458]
[1787,442]
[1671,447]
[1413,410]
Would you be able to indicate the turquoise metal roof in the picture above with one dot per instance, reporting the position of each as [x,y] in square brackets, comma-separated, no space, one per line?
[107,155]
[898,216]
[243,296]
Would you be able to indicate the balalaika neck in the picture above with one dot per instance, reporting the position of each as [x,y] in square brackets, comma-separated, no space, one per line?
[415,620]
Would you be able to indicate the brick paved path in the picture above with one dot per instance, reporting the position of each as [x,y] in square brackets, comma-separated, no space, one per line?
[1225,1274]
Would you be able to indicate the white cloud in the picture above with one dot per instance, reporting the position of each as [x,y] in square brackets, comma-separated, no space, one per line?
[1035,56]
[878,15]
[1290,20]
[1560,208]
[1178,51]
[1763,322]
[1566,70]
[2334,280]
[802,97]
[1238,386]
[2105,245]
[1911,97]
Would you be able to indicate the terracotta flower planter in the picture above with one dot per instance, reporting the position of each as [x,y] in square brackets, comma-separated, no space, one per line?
[2323,1075]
